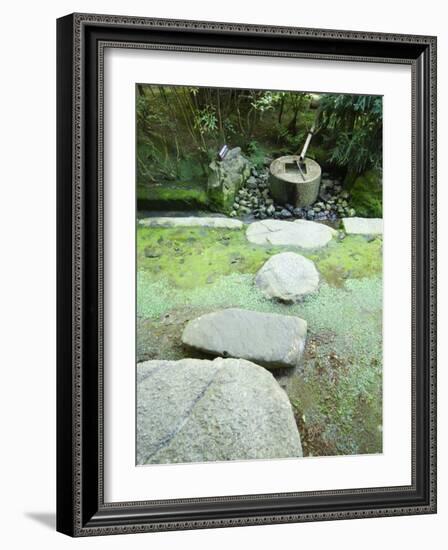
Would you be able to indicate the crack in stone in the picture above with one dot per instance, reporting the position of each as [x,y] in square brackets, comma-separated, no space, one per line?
[142,377]
[170,436]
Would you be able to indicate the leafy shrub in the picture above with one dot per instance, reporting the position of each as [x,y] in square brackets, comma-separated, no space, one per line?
[367,195]
[256,153]
[353,128]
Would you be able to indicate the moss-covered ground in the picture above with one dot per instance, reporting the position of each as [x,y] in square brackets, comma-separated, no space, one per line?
[171,195]
[367,195]
[336,392]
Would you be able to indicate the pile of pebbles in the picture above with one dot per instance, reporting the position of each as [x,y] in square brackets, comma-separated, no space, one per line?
[254,200]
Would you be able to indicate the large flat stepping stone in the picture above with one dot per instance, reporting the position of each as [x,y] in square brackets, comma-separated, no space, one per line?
[300,233]
[363,226]
[269,339]
[197,410]
[192,221]
[287,277]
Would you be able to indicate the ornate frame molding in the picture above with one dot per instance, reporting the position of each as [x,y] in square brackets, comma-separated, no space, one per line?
[82,511]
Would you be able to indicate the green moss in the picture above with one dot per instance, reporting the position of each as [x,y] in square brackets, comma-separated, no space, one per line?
[354,257]
[354,313]
[188,258]
[367,195]
[172,196]
[338,397]
[193,257]
[221,200]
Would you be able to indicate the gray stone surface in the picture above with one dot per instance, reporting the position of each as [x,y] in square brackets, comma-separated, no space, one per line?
[292,185]
[196,411]
[268,339]
[287,277]
[363,226]
[226,177]
[301,233]
[192,221]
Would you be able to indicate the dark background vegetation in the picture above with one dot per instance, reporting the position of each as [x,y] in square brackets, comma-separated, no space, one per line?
[180,129]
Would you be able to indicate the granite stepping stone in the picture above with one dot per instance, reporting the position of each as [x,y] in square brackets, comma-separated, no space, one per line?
[268,339]
[301,233]
[196,410]
[287,277]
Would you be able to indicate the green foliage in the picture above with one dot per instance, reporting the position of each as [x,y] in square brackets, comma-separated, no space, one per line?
[205,120]
[338,400]
[367,195]
[180,129]
[266,101]
[180,125]
[256,153]
[154,162]
[352,128]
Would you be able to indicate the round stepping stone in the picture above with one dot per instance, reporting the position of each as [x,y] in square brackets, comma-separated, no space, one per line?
[287,277]
[268,339]
[301,233]
[196,410]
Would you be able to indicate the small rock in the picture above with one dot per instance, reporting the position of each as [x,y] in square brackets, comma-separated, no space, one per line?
[192,221]
[151,253]
[287,277]
[285,213]
[363,226]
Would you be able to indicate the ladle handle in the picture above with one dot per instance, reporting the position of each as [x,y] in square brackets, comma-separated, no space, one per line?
[307,142]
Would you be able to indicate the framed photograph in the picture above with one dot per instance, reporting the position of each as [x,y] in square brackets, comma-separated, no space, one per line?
[246,274]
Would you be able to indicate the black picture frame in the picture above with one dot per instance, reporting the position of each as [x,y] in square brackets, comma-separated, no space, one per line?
[81,39]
